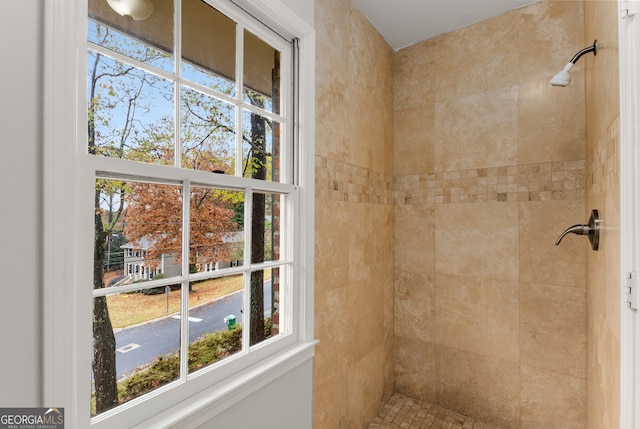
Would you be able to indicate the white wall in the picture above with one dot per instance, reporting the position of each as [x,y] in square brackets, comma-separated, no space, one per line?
[302,8]
[20,209]
[284,404]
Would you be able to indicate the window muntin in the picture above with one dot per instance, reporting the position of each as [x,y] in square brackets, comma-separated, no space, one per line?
[217,134]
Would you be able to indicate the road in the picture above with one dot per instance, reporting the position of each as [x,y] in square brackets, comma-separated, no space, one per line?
[139,345]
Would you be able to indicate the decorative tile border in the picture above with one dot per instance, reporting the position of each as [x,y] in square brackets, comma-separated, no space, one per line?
[338,181]
[533,182]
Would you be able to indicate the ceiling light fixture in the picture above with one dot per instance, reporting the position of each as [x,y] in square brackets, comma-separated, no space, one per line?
[136,9]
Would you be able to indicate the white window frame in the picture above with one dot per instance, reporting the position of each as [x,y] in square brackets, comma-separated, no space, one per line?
[629,48]
[66,332]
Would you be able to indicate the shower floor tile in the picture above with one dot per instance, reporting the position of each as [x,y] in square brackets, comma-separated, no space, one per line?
[403,412]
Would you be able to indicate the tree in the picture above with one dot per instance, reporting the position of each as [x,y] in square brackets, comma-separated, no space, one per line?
[154,213]
[258,163]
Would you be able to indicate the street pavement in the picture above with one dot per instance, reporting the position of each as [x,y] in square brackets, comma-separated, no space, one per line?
[137,346]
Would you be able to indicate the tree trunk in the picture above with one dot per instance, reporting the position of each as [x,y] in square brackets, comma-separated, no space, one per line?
[104,341]
[259,171]
[104,358]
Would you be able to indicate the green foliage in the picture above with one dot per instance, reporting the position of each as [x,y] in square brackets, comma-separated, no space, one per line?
[214,347]
[207,350]
[238,218]
[154,290]
[165,369]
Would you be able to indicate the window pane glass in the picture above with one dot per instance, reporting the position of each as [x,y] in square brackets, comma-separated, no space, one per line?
[136,342]
[275,296]
[266,227]
[215,321]
[130,112]
[208,137]
[152,102]
[138,232]
[265,305]
[260,147]
[261,73]
[216,238]
[149,40]
[208,47]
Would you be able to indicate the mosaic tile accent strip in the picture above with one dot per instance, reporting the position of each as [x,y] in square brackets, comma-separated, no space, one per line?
[403,412]
[339,181]
[534,182]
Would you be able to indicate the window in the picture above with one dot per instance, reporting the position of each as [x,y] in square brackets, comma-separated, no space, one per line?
[186,163]
[201,114]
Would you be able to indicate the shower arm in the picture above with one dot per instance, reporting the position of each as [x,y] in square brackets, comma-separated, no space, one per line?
[593,48]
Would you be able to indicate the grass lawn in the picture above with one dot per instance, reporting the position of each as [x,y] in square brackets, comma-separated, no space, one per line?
[128,309]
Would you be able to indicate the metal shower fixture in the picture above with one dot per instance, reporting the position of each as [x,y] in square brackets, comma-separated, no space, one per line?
[563,78]
[592,230]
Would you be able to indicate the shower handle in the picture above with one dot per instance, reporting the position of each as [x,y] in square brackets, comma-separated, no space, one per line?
[579,229]
[592,229]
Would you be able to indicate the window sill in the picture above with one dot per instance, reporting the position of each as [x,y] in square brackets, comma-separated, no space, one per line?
[198,409]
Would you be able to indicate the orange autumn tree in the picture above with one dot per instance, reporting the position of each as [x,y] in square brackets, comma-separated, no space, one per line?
[154,216]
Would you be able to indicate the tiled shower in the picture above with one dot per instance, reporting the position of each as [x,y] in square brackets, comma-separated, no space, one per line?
[444,173]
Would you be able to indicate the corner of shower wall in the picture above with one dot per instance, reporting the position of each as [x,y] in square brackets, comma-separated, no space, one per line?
[489,167]
[603,193]
[353,365]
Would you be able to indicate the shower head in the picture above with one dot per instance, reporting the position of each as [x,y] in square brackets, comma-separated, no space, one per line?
[563,78]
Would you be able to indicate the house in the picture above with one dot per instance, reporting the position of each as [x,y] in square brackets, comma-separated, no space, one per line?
[134,263]
[137,268]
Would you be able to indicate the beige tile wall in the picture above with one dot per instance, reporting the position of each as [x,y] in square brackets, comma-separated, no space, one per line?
[603,187]
[353,369]
[489,168]
[458,161]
